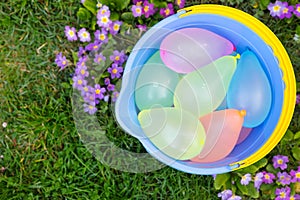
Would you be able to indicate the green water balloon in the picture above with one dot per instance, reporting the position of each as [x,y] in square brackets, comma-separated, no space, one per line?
[155,84]
[203,90]
[176,132]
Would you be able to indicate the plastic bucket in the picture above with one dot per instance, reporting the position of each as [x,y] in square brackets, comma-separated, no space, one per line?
[245,32]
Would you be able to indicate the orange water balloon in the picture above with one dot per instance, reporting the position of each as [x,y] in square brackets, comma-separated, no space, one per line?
[222,132]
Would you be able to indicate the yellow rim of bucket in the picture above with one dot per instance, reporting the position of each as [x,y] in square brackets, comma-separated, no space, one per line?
[284,63]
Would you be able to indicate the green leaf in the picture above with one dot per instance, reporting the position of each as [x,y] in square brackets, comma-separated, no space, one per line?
[252,191]
[127,16]
[298,83]
[242,188]
[93,24]
[122,4]
[271,169]
[66,85]
[158,3]
[288,136]
[75,57]
[273,195]
[250,169]
[83,14]
[266,187]
[297,135]
[91,6]
[296,152]
[221,180]
[114,16]
[264,3]
[261,163]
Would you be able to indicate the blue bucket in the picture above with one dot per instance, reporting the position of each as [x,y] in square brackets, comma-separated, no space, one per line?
[257,144]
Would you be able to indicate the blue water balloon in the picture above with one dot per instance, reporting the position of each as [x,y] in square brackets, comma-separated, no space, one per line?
[250,90]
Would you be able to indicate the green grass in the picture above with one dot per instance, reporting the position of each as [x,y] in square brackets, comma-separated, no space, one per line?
[43,154]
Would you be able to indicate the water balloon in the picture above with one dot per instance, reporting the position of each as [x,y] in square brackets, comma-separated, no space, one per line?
[202,91]
[222,131]
[250,90]
[155,84]
[245,132]
[175,132]
[188,49]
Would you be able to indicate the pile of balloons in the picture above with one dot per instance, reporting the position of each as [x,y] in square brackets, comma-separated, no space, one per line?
[197,100]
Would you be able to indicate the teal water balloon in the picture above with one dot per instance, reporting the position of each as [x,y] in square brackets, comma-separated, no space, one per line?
[175,132]
[189,49]
[250,90]
[155,84]
[202,91]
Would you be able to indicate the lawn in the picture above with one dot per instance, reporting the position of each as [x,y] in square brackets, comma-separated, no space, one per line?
[44,156]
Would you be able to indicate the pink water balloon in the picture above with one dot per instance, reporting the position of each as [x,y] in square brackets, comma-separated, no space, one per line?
[245,132]
[222,132]
[188,49]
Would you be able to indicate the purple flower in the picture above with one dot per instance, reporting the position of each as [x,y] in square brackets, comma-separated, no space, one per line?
[137,11]
[99,91]
[275,9]
[84,35]
[169,10]
[79,82]
[103,21]
[81,61]
[101,36]
[106,81]
[85,89]
[91,98]
[180,3]
[95,46]
[90,108]
[118,57]
[295,175]
[115,27]
[103,11]
[115,71]
[214,176]
[283,193]
[81,51]
[284,178]
[82,71]
[61,60]
[258,179]
[110,87]
[115,96]
[225,195]
[142,28]
[287,11]
[246,179]
[99,57]
[298,99]
[148,9]
[70,33]
[280,161]
[235,197]
[295,197]
[268,177]
[137,2]
[297,10]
